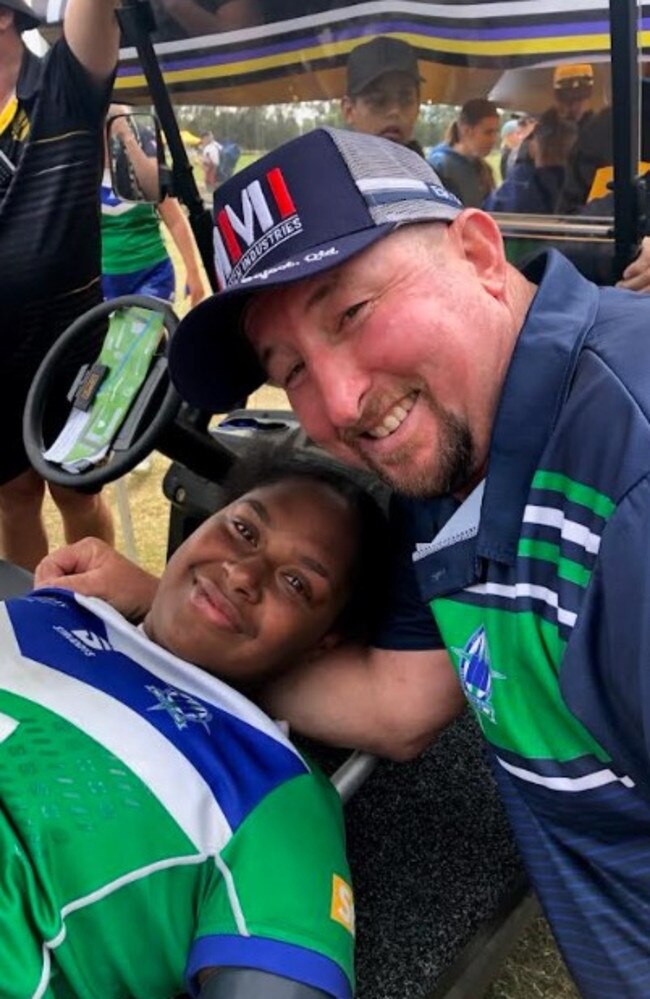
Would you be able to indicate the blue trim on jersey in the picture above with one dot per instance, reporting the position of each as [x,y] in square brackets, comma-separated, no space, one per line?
[274,956]
[254,765]
[591,868]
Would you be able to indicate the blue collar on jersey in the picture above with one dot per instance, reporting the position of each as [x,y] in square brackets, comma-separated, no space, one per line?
[538,380]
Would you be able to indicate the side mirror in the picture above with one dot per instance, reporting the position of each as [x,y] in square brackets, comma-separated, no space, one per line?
[135,157]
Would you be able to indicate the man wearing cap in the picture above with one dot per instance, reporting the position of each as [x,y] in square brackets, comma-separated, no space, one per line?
[573,89]
[382,95]
[51,114]
[510,412]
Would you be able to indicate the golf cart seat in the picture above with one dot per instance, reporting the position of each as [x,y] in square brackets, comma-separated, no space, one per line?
[14,581]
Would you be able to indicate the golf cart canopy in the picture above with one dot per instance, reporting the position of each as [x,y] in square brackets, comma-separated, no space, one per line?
[279,51]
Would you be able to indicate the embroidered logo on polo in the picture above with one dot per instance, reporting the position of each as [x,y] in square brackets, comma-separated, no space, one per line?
[476,673]
[245,233]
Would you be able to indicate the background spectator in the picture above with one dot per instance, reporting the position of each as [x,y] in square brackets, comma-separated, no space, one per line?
[135,260]
[573,89]
[533,185]
[383,91]
[460,162]
[210,151]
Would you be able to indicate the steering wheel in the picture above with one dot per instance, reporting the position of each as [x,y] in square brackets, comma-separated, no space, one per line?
[156,389]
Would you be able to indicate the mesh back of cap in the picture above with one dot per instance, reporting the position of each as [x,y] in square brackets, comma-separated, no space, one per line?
[371,158]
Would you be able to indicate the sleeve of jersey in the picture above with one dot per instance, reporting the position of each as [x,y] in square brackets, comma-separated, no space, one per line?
[280,899]
[606,673]
[75,91]
[407,623]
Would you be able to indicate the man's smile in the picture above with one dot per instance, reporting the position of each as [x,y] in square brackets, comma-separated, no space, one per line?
[393,418]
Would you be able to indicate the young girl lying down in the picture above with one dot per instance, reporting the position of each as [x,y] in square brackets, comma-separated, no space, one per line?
[158,832]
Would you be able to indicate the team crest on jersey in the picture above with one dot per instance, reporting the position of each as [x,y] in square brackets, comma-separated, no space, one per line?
[182,707]
[476,673]
[244,233]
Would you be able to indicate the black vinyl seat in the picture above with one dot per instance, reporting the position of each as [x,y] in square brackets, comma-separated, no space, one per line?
[14,581]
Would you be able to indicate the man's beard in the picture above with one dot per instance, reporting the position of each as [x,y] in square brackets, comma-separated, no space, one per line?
[451,468]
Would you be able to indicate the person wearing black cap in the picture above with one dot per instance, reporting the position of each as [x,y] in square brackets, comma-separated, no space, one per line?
[51,114]
[382,95]
[510,414]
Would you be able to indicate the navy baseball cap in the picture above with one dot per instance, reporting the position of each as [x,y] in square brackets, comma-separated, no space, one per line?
[304,208]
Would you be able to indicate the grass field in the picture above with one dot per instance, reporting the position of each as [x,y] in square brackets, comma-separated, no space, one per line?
[535,969]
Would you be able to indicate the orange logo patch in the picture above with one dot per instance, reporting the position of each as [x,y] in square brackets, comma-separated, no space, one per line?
[342,909]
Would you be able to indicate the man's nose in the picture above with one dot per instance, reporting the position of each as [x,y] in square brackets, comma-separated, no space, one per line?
[342,385]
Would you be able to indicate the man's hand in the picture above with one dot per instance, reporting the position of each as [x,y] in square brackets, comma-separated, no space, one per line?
[95,569]
[636,276]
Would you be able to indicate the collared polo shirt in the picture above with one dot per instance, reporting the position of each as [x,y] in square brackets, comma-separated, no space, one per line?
[539,584]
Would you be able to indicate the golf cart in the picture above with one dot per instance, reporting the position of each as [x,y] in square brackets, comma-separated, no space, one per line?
[441,894]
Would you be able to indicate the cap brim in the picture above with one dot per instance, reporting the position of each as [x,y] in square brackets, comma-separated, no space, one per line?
[211,363]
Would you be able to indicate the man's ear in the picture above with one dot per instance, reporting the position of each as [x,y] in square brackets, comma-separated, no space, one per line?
[7,19]
[347,109]
[479,241]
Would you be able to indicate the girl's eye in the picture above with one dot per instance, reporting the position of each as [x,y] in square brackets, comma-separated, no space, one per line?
[245,531]
[298,585]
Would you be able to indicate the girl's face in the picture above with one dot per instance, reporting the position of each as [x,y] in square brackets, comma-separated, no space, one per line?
[480,139]
[260,583]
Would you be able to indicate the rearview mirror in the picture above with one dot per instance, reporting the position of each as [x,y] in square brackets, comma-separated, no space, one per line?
[134,154]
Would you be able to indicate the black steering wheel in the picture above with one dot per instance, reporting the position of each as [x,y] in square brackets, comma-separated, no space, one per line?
[153,409]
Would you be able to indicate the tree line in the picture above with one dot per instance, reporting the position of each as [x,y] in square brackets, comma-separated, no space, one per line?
[265,127]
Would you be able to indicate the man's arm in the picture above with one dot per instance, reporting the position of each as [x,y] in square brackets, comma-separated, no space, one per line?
[95,569]
[389,702]
[92,32]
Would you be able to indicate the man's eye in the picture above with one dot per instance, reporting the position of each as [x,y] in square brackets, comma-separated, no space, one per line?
[349,314]
[292,374]
[245,531]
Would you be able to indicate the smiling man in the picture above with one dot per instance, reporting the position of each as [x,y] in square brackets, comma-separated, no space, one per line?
[511,413]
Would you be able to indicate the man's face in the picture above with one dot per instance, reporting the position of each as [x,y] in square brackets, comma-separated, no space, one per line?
[394,361]
[260,583]
[388,107]
[573,107]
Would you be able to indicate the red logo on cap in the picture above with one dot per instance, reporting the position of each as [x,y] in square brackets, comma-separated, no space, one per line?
[242,238]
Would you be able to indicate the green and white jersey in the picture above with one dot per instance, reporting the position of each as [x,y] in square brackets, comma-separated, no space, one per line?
[153,822]
[131,238]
